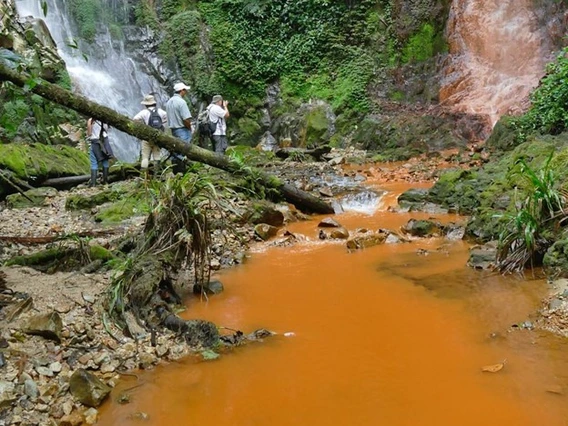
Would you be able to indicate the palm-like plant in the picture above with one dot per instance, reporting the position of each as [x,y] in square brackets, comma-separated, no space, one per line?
[525,238]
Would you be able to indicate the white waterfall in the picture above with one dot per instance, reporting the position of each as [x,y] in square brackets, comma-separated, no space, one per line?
[102,72]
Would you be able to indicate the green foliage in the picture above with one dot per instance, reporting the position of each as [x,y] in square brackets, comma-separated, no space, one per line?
[423,45]
[86,14]
[315,47]
[549,109]
[146,15]
[12,115]
[252,182]
[528,233]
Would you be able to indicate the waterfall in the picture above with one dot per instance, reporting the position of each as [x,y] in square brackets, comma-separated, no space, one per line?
[498,50]
[102,72]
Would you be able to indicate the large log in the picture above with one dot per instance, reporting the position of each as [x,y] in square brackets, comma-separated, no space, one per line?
[302,200]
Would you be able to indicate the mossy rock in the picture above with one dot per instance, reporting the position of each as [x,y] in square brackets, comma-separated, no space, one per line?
[97,252]
[39,162]
[264,212]
[555,260]
[82,202]
[248,132]
[123,209]
[317,126]
[404,136]
[504,136]
[33,198]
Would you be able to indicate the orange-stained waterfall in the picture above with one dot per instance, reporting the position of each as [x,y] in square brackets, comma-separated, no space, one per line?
[498,50]
[393,335]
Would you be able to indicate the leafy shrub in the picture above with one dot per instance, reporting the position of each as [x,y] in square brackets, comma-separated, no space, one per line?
[549,109]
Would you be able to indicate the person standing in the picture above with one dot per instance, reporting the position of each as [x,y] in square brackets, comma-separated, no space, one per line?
[218,113]
[156,118]
[99,151]
[179,117]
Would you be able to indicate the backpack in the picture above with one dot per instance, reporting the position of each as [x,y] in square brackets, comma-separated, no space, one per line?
[205,126]
[155,120]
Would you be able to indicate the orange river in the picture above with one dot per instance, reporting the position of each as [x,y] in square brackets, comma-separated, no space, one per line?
[393,335]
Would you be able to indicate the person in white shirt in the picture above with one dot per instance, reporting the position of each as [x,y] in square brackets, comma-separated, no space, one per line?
[154,117]
[218,113]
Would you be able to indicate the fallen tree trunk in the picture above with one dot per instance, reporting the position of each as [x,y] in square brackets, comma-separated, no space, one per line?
[54,93]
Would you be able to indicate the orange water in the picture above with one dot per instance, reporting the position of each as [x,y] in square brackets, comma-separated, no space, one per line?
[384,336]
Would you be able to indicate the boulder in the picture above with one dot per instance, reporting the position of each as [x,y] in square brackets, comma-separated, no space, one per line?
[422,228]
[87,388]
[483,257]
[264,213]
[46,325]
[329,222]
[366,239]
[33,198]
[265,231]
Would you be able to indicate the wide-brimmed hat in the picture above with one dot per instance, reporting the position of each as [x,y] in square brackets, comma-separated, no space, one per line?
[216,99]
[148,100]
[178,87]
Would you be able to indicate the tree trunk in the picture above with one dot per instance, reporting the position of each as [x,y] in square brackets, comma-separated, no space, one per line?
[54,93]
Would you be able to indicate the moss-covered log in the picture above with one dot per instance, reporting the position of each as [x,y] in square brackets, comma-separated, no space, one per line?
[52,92]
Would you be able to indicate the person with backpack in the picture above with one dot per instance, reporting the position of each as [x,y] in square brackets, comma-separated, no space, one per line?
[218,113]
[156,118]
[100,151]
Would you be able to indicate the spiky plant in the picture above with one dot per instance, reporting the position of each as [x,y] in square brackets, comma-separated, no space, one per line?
[177,234]
[527,235]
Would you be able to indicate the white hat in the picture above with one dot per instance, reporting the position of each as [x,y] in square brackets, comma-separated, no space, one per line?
[178,87]
[148,100]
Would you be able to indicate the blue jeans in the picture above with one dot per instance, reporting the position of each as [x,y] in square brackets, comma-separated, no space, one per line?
[94,162]
[182,133]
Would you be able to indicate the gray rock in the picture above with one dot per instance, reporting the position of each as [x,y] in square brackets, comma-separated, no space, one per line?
[31,389]
[482,257]
[87,388]
[46,325]
[44,371]
[555,304]
[213,287]
[329,222]
[422,228]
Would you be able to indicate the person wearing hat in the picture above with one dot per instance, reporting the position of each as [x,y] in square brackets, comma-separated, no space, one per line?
[156,118]
[218,113]
[179,117]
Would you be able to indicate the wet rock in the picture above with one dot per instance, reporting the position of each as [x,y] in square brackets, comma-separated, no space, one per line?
[339,234]
[87,388]
[265,231]
[46,325]
[454,232]
[366,240]
[213,287]
[413,195]
[422,228]
[329,222]
[482,257]
[326,192]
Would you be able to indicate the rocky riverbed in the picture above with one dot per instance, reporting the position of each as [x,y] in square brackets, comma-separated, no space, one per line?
[60,354]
